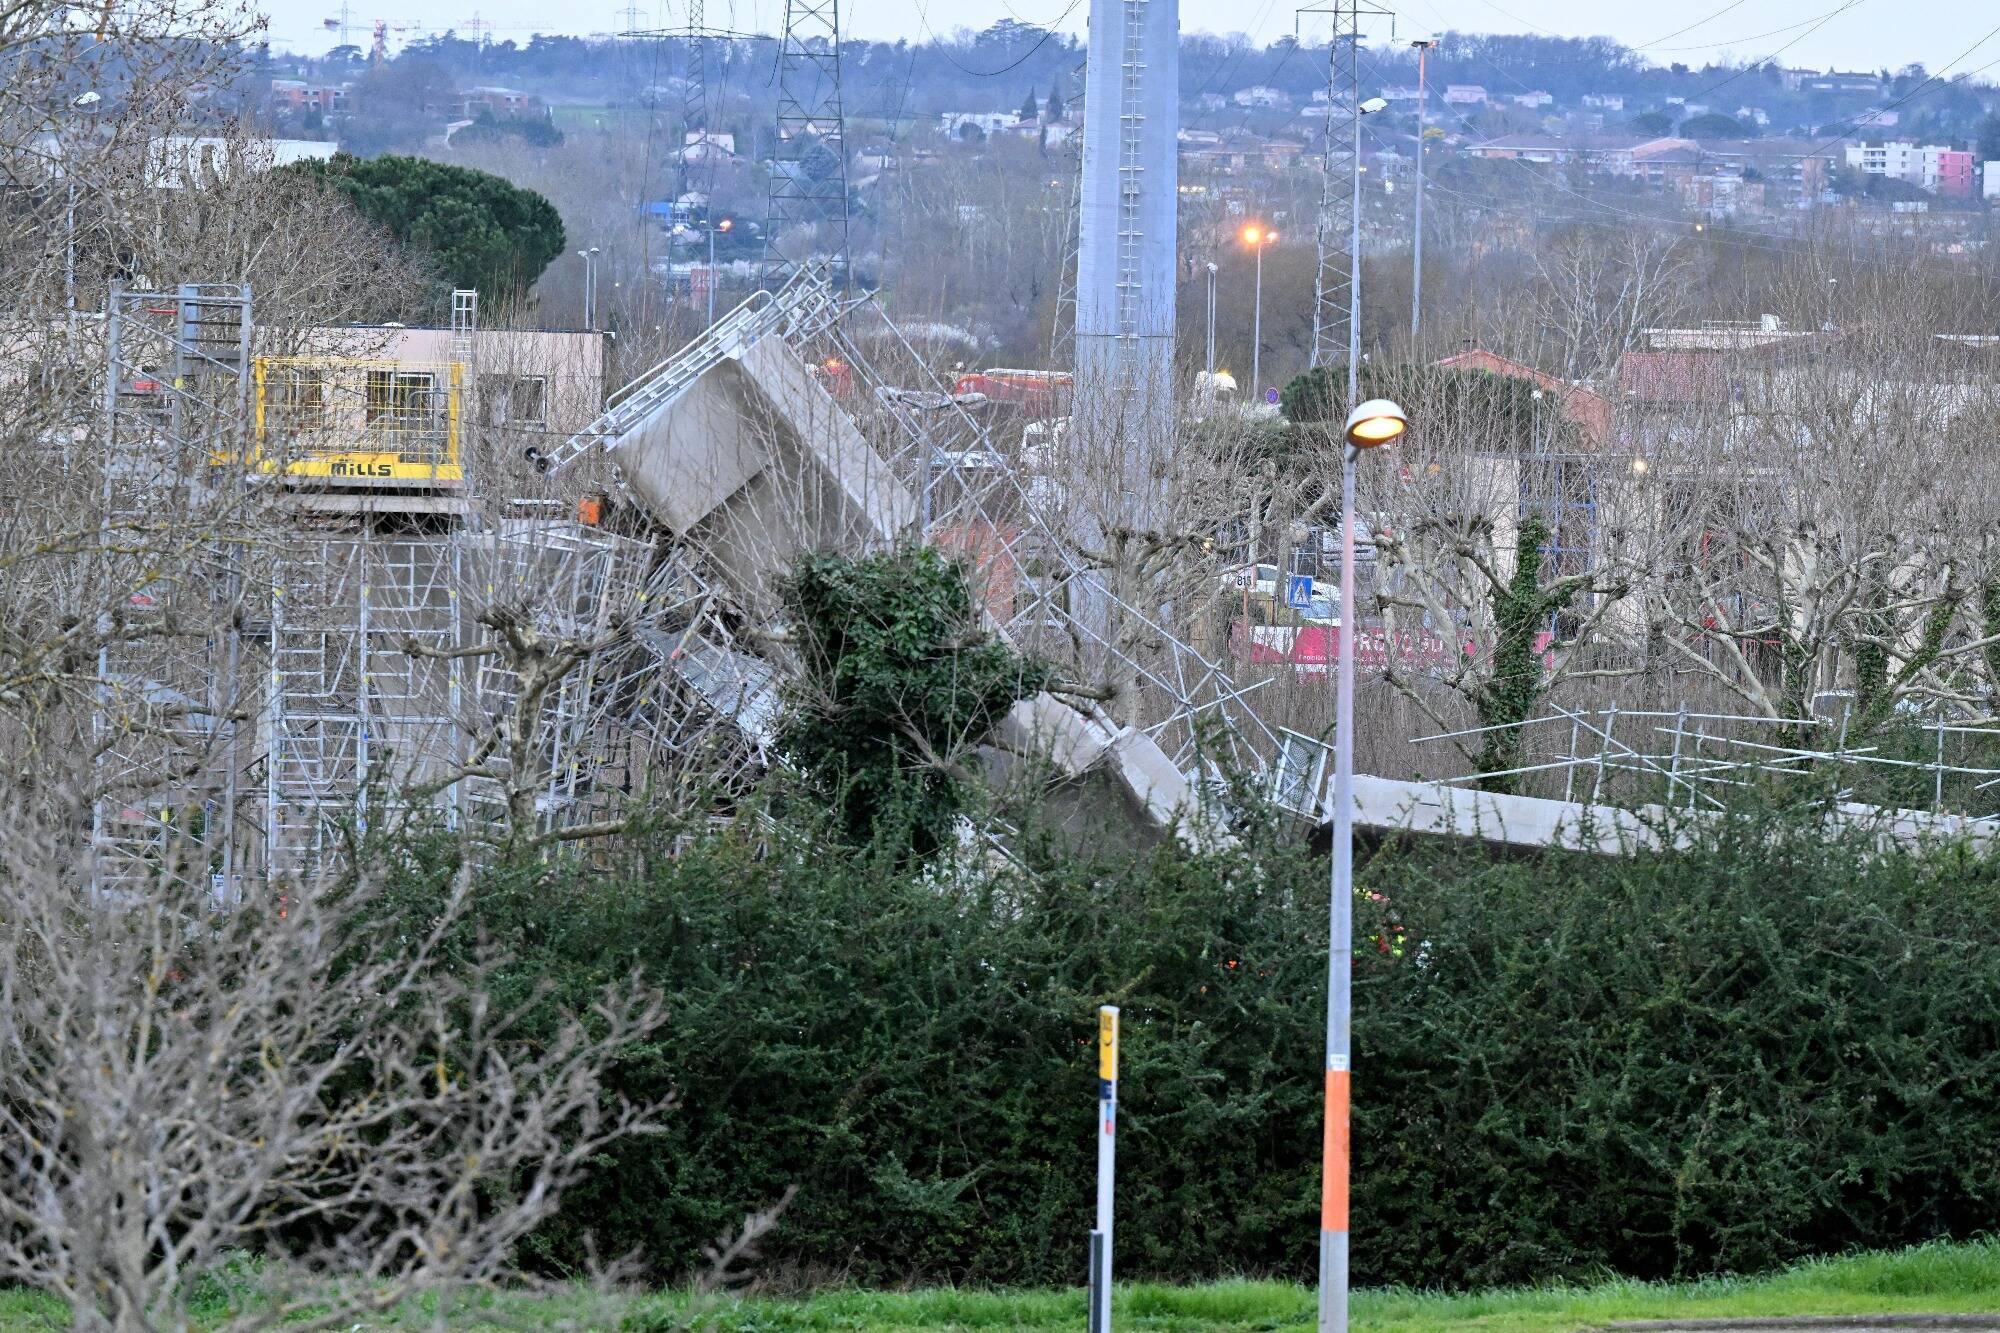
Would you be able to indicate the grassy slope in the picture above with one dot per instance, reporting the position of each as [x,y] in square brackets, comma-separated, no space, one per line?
[1940,1279]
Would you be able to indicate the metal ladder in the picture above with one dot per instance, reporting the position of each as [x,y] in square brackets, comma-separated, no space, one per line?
[805,304]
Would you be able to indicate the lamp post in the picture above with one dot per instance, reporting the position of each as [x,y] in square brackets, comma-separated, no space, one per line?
[589,258]
[1417,235]
[1211,328]
[1369,426]
[713,227]
[1258,239]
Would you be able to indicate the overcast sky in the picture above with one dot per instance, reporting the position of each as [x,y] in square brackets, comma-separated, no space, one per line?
[1865,34]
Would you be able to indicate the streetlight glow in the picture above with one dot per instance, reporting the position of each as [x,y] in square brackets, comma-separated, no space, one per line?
[1377,422]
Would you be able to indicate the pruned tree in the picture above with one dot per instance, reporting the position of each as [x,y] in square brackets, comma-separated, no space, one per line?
[1830,527]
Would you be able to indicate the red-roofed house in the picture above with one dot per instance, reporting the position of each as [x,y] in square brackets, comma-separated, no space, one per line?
[1589,410]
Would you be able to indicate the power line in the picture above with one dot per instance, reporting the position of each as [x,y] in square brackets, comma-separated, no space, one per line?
[1821,22]
[1048,31]
[1733,4]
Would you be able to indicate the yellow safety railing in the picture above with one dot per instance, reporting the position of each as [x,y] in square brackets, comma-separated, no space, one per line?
[357,422]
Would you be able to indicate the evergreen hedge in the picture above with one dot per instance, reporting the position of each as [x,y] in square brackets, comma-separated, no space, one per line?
[1771,1045]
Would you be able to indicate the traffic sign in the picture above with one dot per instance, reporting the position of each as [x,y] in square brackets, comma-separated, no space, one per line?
[1299,591]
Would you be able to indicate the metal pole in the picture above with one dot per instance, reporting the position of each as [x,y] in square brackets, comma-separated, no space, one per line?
[1211,328]
[1257,332]
[711,270]
[1107,1144]
[1340,949]
[1417,235]
[1333,1234]
[69,255]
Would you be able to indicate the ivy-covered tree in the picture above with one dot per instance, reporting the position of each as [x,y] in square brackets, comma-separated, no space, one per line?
[484,232]
[899,679]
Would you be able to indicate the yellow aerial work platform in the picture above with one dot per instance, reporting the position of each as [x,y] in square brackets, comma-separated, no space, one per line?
[359,423]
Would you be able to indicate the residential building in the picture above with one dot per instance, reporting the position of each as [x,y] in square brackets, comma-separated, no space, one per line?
[1933,167]
[297,95]
[708,147]
[1465,94]
[503,103]
[1839,81]
[984,122]
[1533,99]
[1604,101]
[1589,410]
[1991,179]
[1523,148]
[1264,97]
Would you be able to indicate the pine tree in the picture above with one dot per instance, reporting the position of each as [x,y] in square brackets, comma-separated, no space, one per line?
[1030,109]
[1053,109]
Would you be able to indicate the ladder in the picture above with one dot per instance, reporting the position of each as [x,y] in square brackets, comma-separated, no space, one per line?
[806,304]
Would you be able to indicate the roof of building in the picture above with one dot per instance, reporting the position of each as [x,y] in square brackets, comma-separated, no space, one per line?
[1673,377]
[1586,407]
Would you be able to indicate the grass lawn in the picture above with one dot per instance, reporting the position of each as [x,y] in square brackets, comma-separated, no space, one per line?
[1931,1279]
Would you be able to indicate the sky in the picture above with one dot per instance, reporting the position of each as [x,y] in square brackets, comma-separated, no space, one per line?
[1847,34]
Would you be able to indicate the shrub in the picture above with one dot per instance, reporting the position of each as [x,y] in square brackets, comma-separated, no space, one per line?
[1769,1045]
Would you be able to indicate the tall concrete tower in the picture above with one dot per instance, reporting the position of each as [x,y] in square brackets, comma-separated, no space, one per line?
[1123,415]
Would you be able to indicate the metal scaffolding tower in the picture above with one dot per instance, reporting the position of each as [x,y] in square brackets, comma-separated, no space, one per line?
[166,722]
[806,214]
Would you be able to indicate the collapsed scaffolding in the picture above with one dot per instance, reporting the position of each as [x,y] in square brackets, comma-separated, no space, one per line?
[526,673]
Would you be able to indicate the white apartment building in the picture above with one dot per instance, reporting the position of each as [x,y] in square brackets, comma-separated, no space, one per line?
[1925,165]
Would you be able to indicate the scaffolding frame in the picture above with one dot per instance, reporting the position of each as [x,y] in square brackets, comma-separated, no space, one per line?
[978,499]
[164,723]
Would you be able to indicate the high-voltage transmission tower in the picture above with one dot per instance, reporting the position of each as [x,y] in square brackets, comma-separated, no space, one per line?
[806,216]
[1062,329]
[696,155]
[1338,232]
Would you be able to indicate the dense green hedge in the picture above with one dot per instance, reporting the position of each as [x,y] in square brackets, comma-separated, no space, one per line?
[1769,1046]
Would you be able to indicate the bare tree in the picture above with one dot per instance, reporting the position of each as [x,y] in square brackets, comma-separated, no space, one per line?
[1830,523]
[1599,289]
[310,1082]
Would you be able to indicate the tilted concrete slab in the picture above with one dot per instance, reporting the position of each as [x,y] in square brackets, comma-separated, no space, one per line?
[1439,809]
[757,461]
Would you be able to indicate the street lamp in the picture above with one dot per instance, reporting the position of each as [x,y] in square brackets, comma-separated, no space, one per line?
[1423,49]
[589,258]
[1259,239]
[713,228]
[1369,426]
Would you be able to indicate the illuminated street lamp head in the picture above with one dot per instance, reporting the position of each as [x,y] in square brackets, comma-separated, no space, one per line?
[1375,423]
[1256,236]
[725,224]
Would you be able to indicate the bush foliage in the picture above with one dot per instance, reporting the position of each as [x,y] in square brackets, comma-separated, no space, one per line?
[899,680]
[1770,1045]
